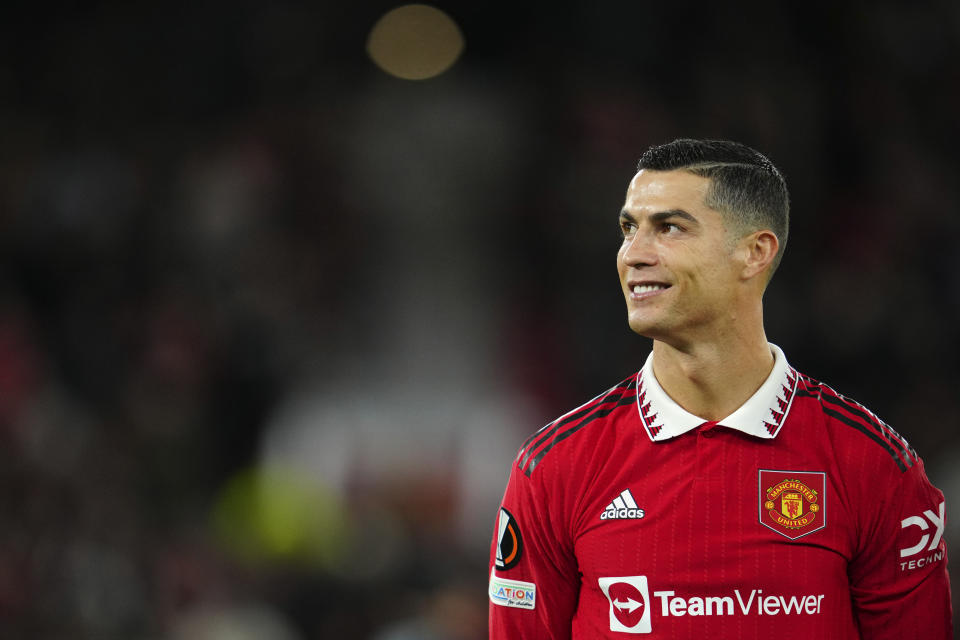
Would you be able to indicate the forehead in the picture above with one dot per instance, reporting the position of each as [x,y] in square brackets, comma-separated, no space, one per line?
[652,191]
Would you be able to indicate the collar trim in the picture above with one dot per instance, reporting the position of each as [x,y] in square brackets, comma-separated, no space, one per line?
[761,416]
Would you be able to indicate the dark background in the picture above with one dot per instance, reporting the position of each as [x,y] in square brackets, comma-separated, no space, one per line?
[273,322]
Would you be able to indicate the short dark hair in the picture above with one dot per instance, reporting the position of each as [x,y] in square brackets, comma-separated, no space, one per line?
[744,185]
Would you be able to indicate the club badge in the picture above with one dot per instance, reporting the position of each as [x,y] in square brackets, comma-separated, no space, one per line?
[793,503]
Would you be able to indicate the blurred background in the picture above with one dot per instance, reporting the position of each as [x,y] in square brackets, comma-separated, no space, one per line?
[285,285]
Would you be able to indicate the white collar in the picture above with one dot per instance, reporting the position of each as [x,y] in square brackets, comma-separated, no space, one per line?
[762,415]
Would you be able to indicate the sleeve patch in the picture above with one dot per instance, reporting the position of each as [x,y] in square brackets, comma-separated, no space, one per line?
[922,533]
[512,593]
[509,541]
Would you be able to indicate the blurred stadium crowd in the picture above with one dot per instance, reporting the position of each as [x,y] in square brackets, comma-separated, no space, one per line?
[273,323]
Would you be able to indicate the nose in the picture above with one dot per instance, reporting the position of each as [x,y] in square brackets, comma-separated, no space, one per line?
[638,250]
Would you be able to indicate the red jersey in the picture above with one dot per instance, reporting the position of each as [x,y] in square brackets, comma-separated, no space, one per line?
[801,515]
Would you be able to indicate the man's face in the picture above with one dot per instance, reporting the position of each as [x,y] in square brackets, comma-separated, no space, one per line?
[677,266]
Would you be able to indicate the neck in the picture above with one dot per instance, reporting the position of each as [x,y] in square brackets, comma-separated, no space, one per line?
[712,379]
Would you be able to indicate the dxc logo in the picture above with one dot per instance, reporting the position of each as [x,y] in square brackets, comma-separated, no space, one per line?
[919,521]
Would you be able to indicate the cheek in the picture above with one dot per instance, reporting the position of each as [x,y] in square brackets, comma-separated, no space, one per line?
[714,263]
[715,280]
[706,280]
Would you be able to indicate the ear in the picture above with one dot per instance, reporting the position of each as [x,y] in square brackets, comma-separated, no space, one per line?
[758,250]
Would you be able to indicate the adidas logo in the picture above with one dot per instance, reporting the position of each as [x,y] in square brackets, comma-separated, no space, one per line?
[622,507]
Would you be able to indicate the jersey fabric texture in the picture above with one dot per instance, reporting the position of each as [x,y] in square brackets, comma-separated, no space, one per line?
[801,515]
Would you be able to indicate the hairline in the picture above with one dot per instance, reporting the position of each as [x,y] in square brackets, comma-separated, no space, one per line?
[742,186]
[710,195]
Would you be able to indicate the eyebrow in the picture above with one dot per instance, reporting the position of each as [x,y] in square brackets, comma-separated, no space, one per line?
[661,216]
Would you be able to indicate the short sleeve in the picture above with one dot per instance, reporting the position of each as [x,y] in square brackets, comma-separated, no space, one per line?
[898,580]
[534,581]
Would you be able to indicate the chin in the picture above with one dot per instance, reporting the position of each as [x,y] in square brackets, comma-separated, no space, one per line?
[642,326]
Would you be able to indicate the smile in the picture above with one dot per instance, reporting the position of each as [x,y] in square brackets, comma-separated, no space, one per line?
[648,288]
[643,290]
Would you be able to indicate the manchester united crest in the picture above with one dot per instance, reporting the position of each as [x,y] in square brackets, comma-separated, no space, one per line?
[793,503]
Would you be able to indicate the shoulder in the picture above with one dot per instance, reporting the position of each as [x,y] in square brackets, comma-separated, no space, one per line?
[567,434]
[851,425]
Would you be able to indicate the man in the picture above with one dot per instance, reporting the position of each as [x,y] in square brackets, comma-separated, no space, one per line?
[718,492]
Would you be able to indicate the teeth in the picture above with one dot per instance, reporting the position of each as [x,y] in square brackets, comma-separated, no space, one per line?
[644,288]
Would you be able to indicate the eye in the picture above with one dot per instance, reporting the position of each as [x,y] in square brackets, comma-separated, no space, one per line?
[627,227]
[670,227]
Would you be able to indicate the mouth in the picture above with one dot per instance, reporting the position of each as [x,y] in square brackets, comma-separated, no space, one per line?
[642,290]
